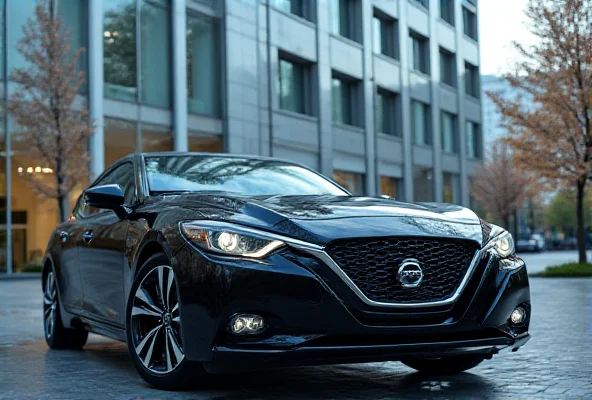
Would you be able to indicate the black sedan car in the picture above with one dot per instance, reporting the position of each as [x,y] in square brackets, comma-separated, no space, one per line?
[209,263]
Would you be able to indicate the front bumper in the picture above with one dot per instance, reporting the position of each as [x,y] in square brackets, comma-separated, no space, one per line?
[315,318]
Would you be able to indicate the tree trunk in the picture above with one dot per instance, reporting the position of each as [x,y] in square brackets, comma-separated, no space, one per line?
[62,208]
[515,227]
[506,220]
[581,230]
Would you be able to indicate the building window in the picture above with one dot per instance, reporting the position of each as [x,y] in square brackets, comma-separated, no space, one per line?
[203,66]
[156,54]
[473,133]
[423,184]
[344,93]
[74,14]
[351,181]
[384,35]
[344,18]
[17,15]
[421,123]
[469,23]
[387,112]
[156,138]
[447,67]
[419,53]
[449,132]
[391,187]
[120,139]
[119,46]
[294,81]
[424,3]
[447,11]
[205,144]
[296,7]
[451,188]
[472,80]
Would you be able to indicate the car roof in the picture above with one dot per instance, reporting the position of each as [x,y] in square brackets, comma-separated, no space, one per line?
[203,154]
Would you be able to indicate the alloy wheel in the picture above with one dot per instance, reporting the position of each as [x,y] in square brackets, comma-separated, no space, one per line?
[50,302]
[156,322]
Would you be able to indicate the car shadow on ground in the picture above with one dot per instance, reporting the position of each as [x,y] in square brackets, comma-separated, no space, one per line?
[110,361]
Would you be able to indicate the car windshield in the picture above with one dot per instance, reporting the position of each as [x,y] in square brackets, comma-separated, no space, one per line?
[204,173]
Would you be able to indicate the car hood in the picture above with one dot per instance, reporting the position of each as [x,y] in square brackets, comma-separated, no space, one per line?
[321,219]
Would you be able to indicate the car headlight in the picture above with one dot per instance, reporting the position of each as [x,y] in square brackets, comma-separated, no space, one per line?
[228,239]
[502,245]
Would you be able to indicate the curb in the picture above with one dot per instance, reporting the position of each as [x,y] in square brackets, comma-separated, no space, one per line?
[20,276]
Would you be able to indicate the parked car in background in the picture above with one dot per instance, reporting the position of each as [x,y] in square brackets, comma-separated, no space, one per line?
[534,242]
[569,243]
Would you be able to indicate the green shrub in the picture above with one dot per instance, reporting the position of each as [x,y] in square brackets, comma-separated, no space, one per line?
[568,270]
[32,267]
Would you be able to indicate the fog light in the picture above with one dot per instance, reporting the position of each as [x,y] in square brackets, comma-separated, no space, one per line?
[247,324]
[518,316]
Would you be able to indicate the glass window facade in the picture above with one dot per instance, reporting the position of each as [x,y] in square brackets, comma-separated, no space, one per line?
[344,100]
[296,7]
[469,23]
[18,14]
[205,144]
[203,66]
[343,18]
[387,112]
[472,85]
[353,182]
[447,11]
[74,14]
[384,36]
[447,67]
[419,53]
[156,54]
[423,184]
[449,132]
[391,187]
[120,139]
[292,86]
[474,142]
[156,138]
[451,188]
[420,121]
[2,51]
[119,47]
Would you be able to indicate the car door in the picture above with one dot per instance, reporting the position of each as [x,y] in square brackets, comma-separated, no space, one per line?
[69,276]
[101,252]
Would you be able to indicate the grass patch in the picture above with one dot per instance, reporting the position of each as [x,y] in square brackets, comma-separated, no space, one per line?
[569,270]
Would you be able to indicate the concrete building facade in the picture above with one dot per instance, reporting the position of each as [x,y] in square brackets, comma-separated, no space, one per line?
[381,95]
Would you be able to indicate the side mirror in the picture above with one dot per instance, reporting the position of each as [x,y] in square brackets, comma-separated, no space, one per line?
[109,197]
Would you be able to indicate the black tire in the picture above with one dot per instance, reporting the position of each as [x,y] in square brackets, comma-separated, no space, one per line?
[56,335]
[451,365]
[185,374]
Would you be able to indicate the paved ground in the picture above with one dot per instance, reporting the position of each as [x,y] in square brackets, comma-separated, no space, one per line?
[555,364]
[537,262]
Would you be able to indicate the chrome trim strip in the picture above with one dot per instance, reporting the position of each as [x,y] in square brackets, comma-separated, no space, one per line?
[322,255]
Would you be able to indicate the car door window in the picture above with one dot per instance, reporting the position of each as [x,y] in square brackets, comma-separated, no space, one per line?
[124,177]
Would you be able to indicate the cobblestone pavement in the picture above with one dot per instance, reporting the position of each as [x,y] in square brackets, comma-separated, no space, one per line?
[555,364]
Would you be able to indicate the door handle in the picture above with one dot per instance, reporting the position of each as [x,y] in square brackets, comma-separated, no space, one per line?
[87,236]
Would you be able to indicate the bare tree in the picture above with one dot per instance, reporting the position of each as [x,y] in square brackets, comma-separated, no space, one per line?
[551,136]
[500,187]
[55,130]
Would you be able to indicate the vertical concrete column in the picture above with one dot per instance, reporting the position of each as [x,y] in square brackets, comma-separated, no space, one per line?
[460,70]
[405,101]
[368,105]
[95,86]
[324,88]
[179,19]
[435,99]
